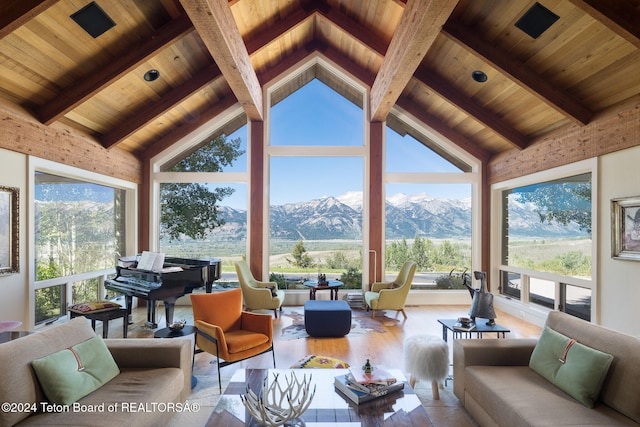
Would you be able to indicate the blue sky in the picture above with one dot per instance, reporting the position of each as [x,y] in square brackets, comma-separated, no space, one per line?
[316,115]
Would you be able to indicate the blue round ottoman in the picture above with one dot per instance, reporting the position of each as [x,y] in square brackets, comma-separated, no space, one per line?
[327,318]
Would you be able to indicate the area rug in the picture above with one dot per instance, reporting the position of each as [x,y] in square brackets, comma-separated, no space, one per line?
[361,324]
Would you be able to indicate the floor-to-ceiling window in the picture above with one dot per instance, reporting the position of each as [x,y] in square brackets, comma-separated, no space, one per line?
[316,182]
[316,188]
[429,208]
[203,198]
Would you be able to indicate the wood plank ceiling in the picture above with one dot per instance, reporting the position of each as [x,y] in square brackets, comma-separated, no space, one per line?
[417,56]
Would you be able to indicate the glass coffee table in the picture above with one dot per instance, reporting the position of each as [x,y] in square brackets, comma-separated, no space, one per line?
[481,328]
[328,407]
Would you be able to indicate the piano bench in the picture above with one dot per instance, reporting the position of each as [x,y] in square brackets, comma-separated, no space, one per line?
[104,316]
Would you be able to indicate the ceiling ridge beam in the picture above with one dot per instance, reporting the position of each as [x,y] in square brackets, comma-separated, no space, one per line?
[476,111]
[618,16]
[301,54]
[419,26]
[341,21]
[15,13]
[437,125]
[519,73]
[75,95]
[167,101]
[218,30]
[185,129]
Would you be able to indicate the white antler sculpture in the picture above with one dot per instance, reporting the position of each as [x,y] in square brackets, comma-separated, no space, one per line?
[276,406]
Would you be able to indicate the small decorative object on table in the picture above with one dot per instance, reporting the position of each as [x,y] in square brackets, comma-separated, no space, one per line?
[481,300]
[275,406]
[177,326]
[322,280]
[367,367]
[464,324]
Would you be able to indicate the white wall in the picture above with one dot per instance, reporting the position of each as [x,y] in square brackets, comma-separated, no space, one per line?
[14,288]
[618,281]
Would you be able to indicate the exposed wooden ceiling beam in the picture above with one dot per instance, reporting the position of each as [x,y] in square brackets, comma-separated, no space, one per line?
[440,127]
[284,64]
[518,72]
[77,94]
[371,41]
[274,32]
[354,30]
[219,32]
[183,131]
[348,65]
[446,90]
[622,17]
[420,24]
[328,52]
[16,13]
[139,119]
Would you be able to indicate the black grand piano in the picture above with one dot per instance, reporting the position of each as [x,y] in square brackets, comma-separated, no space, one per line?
[179,276]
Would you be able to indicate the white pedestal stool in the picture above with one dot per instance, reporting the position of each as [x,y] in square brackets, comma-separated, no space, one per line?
[426,357]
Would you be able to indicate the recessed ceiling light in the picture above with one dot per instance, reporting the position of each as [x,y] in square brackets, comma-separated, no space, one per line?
[479,76]
[151,75]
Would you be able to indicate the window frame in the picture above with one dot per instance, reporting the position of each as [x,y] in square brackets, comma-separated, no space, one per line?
[524,307]
[36,164]
[359,151]
[473,177]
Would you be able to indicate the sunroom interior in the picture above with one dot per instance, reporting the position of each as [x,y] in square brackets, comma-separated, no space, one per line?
[504,112]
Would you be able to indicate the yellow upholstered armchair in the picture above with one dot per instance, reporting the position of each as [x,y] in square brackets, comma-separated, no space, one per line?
[391,295]
[224,330]
[258,295]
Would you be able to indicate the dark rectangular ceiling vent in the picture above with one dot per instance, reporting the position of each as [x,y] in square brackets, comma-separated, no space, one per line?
[536,20]
[93,19]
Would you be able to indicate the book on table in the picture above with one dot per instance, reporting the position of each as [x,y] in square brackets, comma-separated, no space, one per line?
[464,327]
[379,375]
[361,393]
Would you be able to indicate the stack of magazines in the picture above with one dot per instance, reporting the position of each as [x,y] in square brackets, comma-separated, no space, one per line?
[362,387]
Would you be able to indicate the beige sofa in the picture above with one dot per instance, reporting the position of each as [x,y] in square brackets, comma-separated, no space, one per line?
[493,380]
[154,374]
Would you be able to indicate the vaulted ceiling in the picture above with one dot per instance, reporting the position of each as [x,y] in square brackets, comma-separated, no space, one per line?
[416,56]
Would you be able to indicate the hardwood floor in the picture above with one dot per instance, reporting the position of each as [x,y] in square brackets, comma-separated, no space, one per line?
[380,348]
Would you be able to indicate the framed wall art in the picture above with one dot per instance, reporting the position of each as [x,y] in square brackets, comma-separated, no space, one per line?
[9,238]
[625,219]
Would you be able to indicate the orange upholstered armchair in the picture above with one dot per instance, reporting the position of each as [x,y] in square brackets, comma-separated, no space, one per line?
[227,332]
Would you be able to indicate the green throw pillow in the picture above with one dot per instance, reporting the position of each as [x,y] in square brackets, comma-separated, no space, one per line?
[70,374]
[583,371]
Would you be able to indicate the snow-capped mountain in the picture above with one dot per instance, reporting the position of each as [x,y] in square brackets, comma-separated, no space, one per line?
[408,216]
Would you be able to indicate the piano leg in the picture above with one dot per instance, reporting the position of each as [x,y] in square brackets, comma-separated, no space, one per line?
[128,302]
[169,306]
[151,314]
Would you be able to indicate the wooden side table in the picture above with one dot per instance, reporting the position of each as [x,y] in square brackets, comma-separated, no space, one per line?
[104,316]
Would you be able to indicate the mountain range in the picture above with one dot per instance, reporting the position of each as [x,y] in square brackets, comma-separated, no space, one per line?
[335,218]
